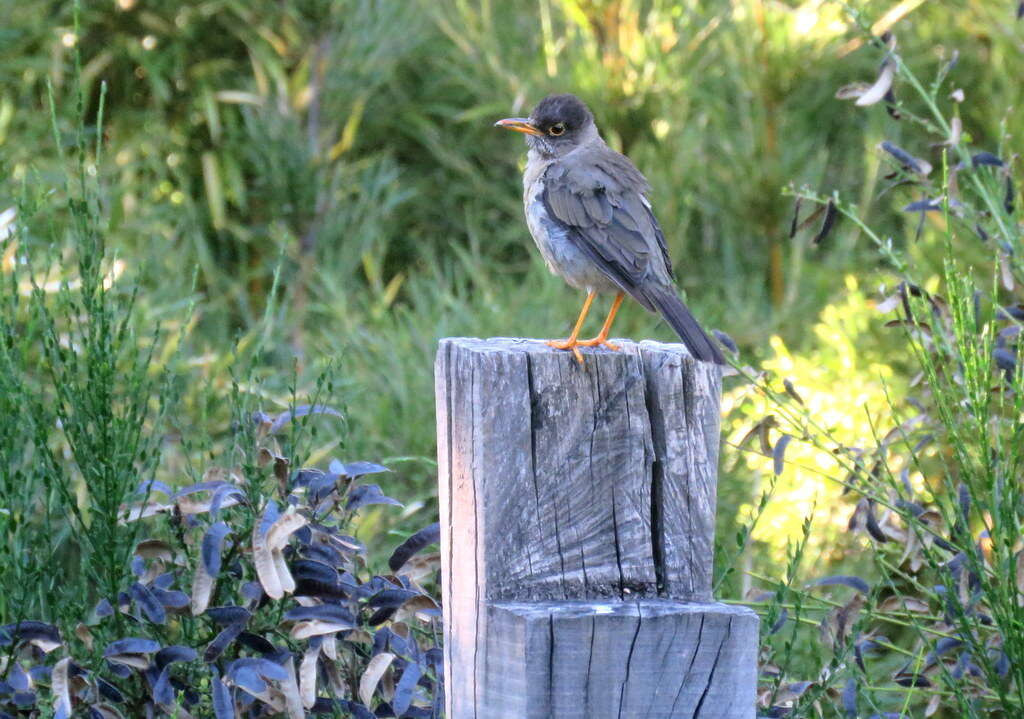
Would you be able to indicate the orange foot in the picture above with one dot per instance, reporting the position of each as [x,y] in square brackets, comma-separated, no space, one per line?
[599,341]
[570,344]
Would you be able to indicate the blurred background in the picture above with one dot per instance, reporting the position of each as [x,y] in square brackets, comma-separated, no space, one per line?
[346,148]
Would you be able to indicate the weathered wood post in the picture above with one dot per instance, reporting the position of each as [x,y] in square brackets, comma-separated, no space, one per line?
[577,522]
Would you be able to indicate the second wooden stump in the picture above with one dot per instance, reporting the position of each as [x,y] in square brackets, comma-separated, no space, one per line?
[577,512]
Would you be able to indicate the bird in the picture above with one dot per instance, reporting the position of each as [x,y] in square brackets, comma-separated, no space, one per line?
[588,211]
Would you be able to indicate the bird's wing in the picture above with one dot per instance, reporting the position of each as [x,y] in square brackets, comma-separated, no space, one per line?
[599,197]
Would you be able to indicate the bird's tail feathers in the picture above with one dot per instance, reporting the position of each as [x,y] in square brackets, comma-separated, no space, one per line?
[701,346]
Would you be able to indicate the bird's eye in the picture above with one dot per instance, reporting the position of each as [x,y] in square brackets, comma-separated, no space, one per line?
[557,129]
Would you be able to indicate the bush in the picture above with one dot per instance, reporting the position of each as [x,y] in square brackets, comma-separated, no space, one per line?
[243,591]
[247,605]
[934,621]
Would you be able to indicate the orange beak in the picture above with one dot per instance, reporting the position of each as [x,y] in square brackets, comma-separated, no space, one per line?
[519,124]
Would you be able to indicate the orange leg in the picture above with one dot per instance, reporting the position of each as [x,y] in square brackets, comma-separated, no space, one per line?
[572,342]
[602,336]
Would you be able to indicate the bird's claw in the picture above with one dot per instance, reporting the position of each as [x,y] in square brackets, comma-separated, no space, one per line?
[569,344]
[599,341]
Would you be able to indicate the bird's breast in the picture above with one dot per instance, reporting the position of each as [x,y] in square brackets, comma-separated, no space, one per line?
[561,252]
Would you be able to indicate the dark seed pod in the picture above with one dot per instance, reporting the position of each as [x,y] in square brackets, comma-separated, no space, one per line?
[985,158]
[221,642]
[418,541]
[827,224]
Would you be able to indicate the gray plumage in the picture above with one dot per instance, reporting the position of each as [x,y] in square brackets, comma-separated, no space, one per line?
[587,209]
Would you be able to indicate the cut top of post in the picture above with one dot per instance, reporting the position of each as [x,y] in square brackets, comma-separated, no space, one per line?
[562,481]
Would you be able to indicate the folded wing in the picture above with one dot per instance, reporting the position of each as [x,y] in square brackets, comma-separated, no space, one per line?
[600,199]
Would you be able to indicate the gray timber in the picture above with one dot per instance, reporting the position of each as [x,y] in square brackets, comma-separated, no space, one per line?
[578,508]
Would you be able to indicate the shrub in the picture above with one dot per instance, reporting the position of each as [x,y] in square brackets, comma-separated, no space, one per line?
[243,591]
[258,600]
[934,622]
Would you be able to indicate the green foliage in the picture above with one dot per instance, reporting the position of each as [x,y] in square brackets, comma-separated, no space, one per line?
[934,619]
[331,171]
[213,628]
[85,405]
[354,139]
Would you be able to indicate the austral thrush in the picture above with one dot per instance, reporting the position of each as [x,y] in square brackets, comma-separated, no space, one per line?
[587,209]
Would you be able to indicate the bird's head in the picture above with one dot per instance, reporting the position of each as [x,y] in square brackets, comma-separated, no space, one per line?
[559,124]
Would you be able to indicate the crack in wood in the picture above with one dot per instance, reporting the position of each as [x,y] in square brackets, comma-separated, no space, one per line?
[689,668]
[534,422]
[552,671]
[657,529]
[688,387]
[590,661]
[714,665]
[629,657]
[565,491]
[598,411]
[665,662]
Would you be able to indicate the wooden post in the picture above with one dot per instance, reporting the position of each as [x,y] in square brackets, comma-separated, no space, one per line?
[577,528]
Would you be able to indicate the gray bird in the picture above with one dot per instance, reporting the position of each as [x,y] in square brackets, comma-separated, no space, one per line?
[587,209]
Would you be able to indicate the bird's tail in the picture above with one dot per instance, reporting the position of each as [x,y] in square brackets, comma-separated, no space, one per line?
[683,322]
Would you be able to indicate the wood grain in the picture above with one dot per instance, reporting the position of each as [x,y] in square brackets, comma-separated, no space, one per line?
[644,659]
[561,482]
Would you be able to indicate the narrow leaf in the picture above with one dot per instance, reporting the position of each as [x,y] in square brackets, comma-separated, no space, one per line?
[152,608]
[779,454]
[289,522]
[877,92]
[301,411]
[60,688]
[845,580]
[307,677]
[213,542]
[221,642]
[796,218]
[163,692]
[223,705]
[372,676]
[290,688]
[368,494]
[131,645]
[405,687]
[356,469]
[914,164]
[831,212]
[986,158]
[414,544]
